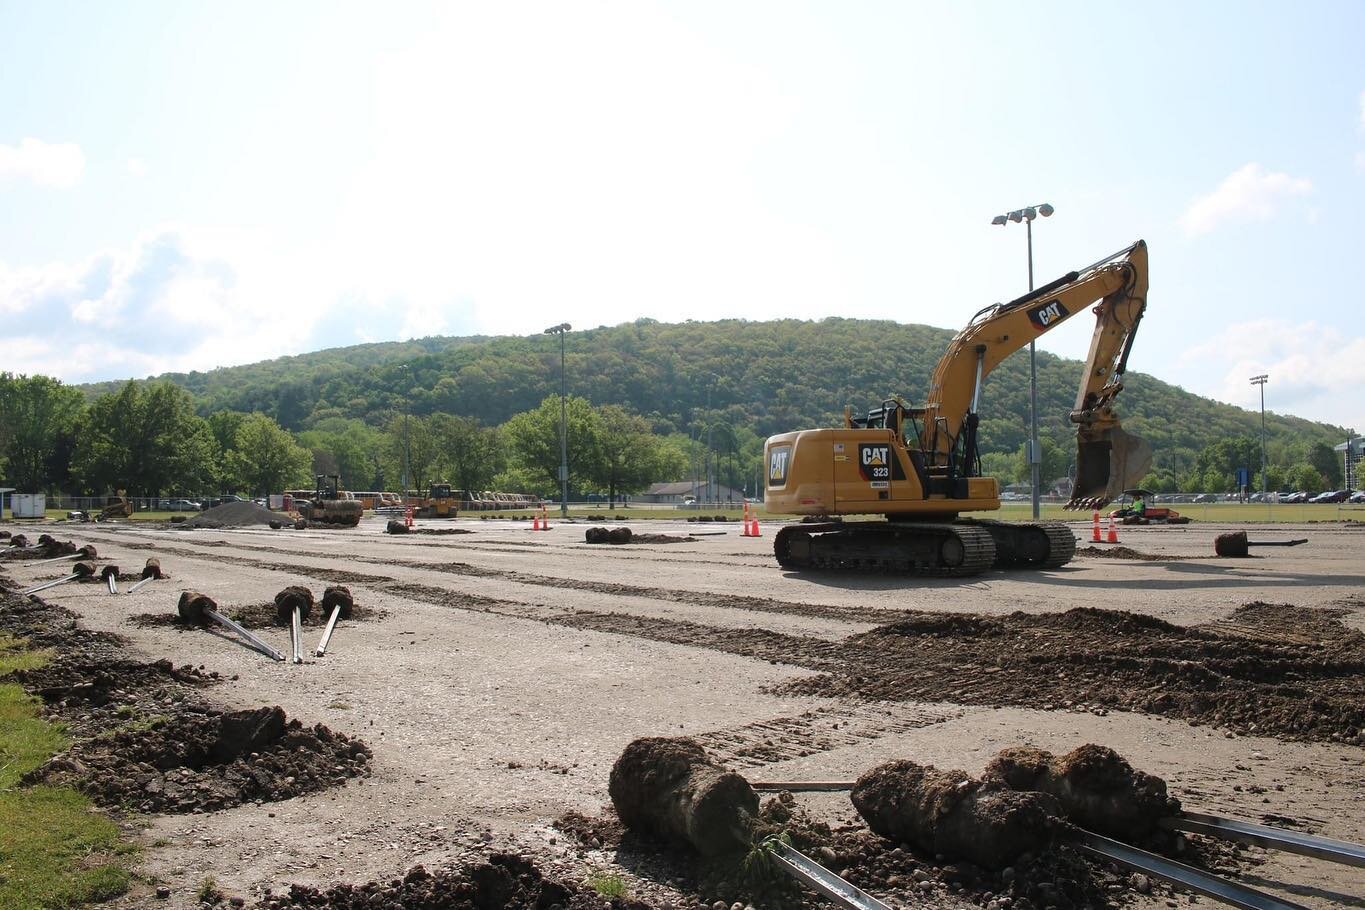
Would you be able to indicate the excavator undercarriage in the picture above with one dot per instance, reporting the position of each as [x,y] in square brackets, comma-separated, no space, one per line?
[944,549]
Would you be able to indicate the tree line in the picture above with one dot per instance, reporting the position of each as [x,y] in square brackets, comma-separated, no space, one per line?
[147,439]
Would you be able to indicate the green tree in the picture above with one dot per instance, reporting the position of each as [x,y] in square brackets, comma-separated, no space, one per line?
[1305,477]
[532,439]
[265,458]
[1327,463]
[470,452]
[629,454]
[146,439]
[351,448]
[413,452]
[37,414]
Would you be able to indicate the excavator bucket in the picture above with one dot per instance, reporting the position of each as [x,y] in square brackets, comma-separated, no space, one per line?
[1108,463]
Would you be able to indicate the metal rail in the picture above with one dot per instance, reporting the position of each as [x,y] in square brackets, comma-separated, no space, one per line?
[250,640]
[133,589]
[826,883]
[804,786]
[1334,851]
[296,633]
[327,633]
[1179,874]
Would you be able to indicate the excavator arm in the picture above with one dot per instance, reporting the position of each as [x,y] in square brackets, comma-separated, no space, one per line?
[1108,459]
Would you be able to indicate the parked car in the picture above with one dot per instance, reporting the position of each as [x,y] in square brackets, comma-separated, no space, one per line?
[1330,496]
[179,505]
[1206,497]
[1357,497]
[1296,496]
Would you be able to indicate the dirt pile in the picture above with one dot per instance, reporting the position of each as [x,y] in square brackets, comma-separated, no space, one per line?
[142,735]
[1272,669]
[625,535]
[1095,787]
[505,880]
[670,789]
[1117,552]
[949,813]
[206,759]
[233,515]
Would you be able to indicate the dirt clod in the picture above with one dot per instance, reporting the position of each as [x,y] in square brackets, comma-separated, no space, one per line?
[395,526]
[192,606]
[291,598]
[338,596]
[671,789]
[504,881]
[949,813]
[1232,545]
[1095,786]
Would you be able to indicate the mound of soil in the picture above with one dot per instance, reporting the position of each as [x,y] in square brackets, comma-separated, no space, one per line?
[505,880]
[1117,552]
[1095,787]
[671,789]
[233,515]
[206,760]
[143,736]
[949,813]
[625,535]
[1275,669]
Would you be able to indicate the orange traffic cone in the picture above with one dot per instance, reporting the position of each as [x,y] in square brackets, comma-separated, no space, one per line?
[407,516]
[1095,533]
[1113,535]
[543,522]
[748,528]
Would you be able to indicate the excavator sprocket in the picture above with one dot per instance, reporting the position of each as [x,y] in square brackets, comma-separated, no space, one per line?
[916,548]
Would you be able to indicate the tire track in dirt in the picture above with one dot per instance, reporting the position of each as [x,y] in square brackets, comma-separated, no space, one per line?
[338,576]
[850,724]
[672,595]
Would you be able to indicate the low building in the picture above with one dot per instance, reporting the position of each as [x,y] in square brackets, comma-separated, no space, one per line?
[684,490]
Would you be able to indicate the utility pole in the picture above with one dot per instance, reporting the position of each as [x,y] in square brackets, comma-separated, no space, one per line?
[561,330]
[1261,381]
[1035,457]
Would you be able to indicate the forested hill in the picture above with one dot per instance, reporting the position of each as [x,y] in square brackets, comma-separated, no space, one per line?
[768,376]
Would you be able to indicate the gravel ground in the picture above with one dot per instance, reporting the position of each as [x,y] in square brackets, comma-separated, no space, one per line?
[496,676]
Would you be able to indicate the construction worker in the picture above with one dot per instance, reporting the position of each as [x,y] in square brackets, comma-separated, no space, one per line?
[1139,508]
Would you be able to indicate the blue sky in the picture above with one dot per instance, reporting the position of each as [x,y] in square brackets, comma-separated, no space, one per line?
[193,185]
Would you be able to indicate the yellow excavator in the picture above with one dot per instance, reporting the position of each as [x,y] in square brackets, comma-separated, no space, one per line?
[919,466]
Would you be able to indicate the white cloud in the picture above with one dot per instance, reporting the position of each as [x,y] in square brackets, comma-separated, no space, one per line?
[1316,371]
[177,299]
[1249,193]
[55,164]
[137,167]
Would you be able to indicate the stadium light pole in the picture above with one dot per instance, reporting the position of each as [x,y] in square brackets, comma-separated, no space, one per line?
[1261,381]
[561,330]
[1027,215]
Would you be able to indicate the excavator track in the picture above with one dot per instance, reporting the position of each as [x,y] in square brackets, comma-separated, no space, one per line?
[1029,544]
[952,550]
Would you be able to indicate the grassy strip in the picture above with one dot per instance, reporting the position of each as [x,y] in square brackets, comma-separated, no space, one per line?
[56,851]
